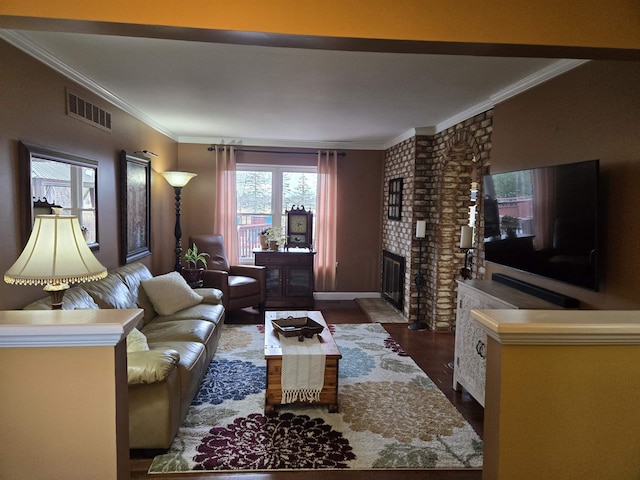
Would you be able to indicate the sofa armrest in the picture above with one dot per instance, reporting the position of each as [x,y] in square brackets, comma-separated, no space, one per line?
[212,296]
[151,366]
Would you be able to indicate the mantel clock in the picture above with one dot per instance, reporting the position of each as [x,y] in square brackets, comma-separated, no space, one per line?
[299,228]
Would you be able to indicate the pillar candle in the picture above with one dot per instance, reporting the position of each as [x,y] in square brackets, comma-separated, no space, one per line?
[466,236]
[421,228]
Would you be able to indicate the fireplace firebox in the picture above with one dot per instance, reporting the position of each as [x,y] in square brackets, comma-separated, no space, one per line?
[393,279]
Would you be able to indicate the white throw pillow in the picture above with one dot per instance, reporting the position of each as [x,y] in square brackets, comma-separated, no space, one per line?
[170,293]
[136,341]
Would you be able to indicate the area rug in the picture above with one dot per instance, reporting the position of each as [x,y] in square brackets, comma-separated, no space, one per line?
[391,415]
[378,310]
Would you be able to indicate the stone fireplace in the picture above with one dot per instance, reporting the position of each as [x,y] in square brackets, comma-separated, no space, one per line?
[437,171]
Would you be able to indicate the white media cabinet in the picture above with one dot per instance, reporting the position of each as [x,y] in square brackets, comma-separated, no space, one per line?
[469,370]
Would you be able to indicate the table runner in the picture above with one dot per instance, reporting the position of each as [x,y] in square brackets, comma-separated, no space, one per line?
[302,369]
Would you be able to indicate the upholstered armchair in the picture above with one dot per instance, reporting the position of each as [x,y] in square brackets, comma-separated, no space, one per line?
[242,285]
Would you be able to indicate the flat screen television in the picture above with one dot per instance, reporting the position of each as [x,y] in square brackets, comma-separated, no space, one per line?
[546,221]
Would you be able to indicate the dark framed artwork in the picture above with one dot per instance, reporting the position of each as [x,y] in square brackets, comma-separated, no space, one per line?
[394,211]
[135,206]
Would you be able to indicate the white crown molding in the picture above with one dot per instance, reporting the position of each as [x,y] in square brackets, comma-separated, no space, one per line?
[269,142]
[541,76]
[18,40]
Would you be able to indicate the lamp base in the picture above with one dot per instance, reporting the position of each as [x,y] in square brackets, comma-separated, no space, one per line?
[56,292]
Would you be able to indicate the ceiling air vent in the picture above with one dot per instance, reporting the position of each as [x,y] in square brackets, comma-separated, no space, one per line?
[86,111]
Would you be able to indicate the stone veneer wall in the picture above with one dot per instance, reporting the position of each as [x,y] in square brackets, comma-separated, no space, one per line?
[400,162]
[437,172]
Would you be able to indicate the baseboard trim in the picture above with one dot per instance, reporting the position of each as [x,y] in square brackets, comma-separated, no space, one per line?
[344,295]
[559,299]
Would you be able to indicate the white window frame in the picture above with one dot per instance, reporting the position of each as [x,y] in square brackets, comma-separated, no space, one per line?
[277,173]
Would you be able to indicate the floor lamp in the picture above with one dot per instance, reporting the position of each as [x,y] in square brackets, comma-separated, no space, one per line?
[178,180]
[421,228]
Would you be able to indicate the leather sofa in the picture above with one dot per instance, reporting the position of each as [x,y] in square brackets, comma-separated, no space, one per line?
[166,364]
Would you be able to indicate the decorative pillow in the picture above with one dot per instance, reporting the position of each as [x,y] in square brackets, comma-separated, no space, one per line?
[136,341]
[170,293]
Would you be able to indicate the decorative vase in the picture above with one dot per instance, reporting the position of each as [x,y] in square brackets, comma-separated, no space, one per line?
[273,245]
[264,242]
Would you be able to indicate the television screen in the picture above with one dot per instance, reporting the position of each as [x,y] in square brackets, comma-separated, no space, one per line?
[545,221]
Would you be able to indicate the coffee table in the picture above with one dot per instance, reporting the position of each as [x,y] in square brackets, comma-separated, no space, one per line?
[273,356]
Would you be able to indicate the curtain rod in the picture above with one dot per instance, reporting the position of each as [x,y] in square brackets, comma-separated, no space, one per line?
[279,152]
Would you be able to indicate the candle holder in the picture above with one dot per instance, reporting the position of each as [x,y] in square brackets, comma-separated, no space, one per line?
[466,244]
[419,280]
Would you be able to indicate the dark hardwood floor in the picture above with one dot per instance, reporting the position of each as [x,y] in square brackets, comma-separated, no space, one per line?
[432,351]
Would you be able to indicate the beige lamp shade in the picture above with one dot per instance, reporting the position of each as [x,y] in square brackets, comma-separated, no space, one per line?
[178,179]
[56,254]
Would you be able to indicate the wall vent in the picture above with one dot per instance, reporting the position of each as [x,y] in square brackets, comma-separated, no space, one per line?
[79,108]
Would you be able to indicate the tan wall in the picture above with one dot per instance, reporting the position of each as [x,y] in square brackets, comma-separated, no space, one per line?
[359,243]
[32,97]
[62,406]
[546,22]
[358,246]
[557,411]
[588,113]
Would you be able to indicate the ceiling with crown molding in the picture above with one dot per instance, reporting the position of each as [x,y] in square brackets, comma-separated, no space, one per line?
[204,92]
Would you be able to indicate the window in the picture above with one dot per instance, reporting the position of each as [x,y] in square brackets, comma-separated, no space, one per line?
[264,192]
[69,186]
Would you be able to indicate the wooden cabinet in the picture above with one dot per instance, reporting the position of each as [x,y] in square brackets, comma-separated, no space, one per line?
[469,369]
[290,278]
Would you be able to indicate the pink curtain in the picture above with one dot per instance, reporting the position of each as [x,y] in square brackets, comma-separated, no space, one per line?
[325,276]
[225,208]
[544,184]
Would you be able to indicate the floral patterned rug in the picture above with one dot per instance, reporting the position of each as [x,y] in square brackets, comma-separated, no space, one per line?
[391,414]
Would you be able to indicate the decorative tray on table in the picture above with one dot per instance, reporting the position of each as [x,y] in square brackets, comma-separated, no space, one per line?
[301,327]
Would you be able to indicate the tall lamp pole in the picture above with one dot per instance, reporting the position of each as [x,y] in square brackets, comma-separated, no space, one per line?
[421,230]
[178,180]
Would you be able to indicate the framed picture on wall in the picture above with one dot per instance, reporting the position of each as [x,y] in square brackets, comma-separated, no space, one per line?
[394,209]
[135,206]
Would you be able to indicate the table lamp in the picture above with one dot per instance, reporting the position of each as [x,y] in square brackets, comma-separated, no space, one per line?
[56,255]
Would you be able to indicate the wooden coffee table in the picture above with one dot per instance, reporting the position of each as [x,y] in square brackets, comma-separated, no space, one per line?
[273,356]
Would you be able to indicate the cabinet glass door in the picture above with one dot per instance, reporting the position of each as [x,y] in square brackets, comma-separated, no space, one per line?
[299,282]
[273,281]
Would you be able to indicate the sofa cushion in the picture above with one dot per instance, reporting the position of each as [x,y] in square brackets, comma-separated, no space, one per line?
[111,292]
[136,341]
[204,311]
[241,286]
[180,331]
[170,293]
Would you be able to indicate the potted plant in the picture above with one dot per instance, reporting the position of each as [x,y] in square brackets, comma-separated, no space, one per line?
[509,226]
[263,238]
[275,237]
[192,274]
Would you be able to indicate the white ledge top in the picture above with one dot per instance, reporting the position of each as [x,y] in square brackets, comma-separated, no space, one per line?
[561,327]
[66,328]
